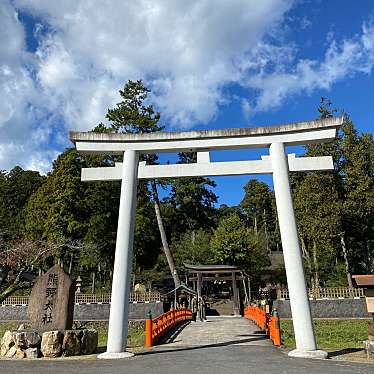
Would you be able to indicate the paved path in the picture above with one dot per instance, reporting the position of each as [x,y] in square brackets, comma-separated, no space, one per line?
[218,331]
[231,346]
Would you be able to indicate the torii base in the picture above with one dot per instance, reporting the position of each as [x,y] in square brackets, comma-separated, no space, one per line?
[114,356]
[317,354]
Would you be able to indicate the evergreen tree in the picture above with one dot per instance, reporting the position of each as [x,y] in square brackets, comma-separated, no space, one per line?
[233,243]
[192,200]
[133,115]
[61,199]
[351,186]
[193,247]
[65,210]
[319,213]
[15,189]
[358,203]
[258,206]
[56,211]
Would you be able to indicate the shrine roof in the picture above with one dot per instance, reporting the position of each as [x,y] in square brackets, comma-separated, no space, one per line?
[364,280]
[212,268]
[183,287]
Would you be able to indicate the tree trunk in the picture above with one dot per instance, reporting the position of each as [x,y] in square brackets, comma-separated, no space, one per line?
[3,276]
[93,282]
[165,245]
[12,288]
[315,265]
[71,264]
[255,225]
[15,285]
[266,234]
[369,264]
[277,231]
[346,261]
[99,274]
[249,291]
[193,237]
[305,253]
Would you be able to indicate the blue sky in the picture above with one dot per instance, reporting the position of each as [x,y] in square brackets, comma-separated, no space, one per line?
[210,64]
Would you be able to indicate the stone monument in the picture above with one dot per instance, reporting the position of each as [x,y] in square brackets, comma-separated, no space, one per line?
[51,304]
[51,309]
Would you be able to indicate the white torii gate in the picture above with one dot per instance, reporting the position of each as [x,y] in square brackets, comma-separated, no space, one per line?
[278,163]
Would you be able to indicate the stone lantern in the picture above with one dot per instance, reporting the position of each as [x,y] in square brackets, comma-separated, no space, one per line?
[78,284]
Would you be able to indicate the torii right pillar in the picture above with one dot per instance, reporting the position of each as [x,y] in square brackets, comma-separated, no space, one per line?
[297,287]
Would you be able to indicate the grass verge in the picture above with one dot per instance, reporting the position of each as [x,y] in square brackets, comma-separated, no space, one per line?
[135,338]
[331,334]
[4,326]
[136,335]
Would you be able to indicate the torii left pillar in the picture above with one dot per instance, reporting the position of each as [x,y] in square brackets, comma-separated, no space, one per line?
[118,319]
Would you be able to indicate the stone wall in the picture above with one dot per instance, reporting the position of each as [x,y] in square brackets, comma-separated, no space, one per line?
[13,313]
[86,312]
[337,308]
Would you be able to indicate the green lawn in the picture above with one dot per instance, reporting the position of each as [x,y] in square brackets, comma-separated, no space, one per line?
[4,326]
[135,339]
[331,334]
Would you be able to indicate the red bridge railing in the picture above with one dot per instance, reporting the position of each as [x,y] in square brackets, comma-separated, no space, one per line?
[266,322]
[155,328]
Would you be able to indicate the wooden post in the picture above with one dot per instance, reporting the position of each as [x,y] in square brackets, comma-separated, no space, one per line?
[279,293]
[199,296]
[235,295]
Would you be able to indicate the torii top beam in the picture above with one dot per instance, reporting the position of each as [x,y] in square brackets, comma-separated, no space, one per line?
[321,130]
[316,131]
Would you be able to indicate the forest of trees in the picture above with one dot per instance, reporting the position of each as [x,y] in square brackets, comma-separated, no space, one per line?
[58,219]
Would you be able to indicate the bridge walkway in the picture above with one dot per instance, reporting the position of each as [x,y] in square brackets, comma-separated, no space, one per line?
[216,331]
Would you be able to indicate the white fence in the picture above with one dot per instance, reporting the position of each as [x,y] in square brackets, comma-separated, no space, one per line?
[80,298]
[327,293]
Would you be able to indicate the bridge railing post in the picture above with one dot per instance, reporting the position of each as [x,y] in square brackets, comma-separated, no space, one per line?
[148,330]
[275,330]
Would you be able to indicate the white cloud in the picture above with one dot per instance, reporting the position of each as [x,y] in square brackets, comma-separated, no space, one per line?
[342,59]
[188,52]
[17,115]
[185,51]
[11,34]
[56,65]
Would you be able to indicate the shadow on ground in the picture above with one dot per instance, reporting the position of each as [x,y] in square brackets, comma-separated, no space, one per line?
[344,351]
[160,349]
